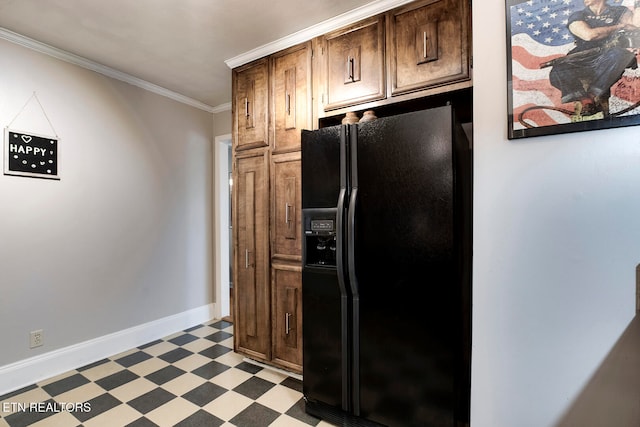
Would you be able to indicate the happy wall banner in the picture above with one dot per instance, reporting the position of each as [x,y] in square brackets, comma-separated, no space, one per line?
[30,154]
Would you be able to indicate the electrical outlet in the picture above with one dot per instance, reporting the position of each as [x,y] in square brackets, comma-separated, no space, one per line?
[36,338]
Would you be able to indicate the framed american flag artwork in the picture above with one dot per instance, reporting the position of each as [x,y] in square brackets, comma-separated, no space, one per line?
[572,65]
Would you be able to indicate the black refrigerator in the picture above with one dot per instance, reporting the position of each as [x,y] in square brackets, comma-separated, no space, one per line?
[386,278]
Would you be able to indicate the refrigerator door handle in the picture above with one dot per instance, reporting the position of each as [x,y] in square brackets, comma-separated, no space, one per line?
[351,235]
[340,242]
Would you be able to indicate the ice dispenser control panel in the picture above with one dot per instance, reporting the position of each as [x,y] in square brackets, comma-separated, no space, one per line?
[320,240]
[322,225]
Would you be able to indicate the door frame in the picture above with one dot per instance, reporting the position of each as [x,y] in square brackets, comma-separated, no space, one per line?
[222,222]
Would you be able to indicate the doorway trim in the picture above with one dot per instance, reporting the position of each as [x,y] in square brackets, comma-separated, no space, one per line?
[222,224]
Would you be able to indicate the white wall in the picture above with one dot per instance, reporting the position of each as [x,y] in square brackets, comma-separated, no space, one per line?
[556,243]
[125,236]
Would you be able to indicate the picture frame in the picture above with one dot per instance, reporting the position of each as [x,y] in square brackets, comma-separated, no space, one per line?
[539,40]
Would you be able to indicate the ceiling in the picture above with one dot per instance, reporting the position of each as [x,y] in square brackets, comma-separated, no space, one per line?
[177,45]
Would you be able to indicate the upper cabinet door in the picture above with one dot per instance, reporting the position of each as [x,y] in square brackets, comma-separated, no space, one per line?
[428,44]
[355,64]
[291,96]
[250,105]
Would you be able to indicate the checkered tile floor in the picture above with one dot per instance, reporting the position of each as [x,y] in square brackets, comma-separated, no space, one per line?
[192,378]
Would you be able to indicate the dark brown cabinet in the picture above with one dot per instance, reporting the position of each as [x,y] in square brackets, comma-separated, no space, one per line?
[251,91]
[355,64]
[286,224]
[252,332]
[287,315]
[411,52]
[427,45]
[286,259]
[291,96]
[272,104]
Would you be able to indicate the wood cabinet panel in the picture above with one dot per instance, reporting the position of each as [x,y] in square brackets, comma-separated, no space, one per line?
[291,96]
[286,222]
[250,105]
[428,44]
[251,283]
[355,64]
[287,316]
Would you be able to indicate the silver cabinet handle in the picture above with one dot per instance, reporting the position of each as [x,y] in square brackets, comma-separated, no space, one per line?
[246,258]
[287,327]
[424,44]
[351,66]
[287,103]
[246,107]
[287,218]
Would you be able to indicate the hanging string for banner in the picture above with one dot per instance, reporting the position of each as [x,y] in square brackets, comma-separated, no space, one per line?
[34,95]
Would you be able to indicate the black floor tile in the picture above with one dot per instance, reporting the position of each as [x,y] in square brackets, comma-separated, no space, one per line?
[133,359]
[142,422]
[200,419]
[165,374]
[218,336]
[215,351]
[28,417]
[297,411]
[254,387]
[194,328]
[65,384]
[93,365]
[210,370]
[116,380]
[151,400]
[292,383]
[149,344]
[220,324]
[175,355]
[204,394]
[99,405]
[17,392]
[249,367]
[256,415]
[183,339]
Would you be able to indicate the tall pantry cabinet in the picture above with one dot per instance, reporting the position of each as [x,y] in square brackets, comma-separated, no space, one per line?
[271,104]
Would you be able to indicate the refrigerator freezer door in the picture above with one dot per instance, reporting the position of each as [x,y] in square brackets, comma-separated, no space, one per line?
[321,167]
[326,312]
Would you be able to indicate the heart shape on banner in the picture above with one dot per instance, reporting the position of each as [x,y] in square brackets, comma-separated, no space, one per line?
[26,138]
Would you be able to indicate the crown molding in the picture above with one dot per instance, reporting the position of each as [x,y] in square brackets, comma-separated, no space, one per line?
[324,27]
[221,108]
[99,68]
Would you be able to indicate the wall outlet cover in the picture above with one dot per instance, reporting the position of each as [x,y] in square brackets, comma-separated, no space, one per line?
[36,338]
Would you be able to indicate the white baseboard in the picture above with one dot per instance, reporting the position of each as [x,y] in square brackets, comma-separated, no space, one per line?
[29,371]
